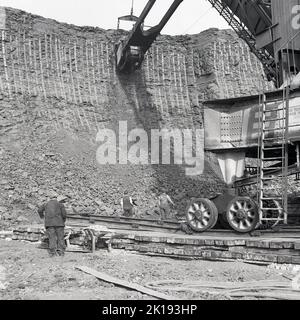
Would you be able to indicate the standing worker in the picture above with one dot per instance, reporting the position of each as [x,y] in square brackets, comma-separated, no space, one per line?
[55,216]
[127,205]
[164,205]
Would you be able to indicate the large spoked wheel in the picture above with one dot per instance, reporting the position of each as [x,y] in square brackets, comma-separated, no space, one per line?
[242,214]
[201,214]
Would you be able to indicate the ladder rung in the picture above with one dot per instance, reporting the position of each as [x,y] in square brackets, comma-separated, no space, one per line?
[272,159]
[273,148]
[275,178]
[272,219]
[272,101]
[265,183]
[273,119]
[272,110]
[269,209]
[279,178]
[274,129]
[271,198]
[275,168]
[272,139]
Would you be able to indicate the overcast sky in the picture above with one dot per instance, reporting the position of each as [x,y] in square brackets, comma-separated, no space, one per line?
[192,16]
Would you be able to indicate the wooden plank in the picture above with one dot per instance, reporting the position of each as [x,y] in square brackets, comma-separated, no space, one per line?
[26,65]
[13,60]
[126,284]
[260,257]
[41,68]
[276,245]
[284,259]
[6,233]
[296,260]
[277,252]
[52,70]
[266,295]
[37,82]
[61,69]
[5,63]
[297,245]
[225,285]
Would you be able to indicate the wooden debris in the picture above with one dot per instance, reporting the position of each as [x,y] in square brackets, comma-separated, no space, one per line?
[247,285]
[259,289]
[6,233]
[126,284]
[267,295]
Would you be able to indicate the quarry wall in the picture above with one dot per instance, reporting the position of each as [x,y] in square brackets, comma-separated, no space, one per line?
[59,86]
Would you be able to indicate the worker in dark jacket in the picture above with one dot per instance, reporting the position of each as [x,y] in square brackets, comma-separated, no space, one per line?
[128,205]
[55,216]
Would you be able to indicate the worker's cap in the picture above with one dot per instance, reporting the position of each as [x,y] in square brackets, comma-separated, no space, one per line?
[53,194]
[61,198]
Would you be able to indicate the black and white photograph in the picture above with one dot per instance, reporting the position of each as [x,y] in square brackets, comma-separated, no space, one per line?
[149,153]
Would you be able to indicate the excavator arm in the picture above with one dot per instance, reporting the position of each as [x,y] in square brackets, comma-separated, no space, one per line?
[130,52]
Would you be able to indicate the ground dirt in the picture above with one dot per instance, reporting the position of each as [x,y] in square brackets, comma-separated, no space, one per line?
[28,273]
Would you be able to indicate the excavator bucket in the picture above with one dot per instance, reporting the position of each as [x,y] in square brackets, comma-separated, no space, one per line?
[130,51]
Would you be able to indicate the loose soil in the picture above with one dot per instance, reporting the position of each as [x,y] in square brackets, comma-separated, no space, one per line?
[28,273]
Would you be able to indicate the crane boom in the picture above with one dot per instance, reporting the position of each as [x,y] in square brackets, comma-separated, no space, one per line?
[265,25]
[249,19]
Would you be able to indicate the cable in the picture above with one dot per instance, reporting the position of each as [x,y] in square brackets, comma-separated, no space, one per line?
[131,12]
[198,19]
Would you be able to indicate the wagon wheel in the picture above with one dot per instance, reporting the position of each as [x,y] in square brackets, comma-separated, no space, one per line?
[242,214]
[276,214]
[201,214]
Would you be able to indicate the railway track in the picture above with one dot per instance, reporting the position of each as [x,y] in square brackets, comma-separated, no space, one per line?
[169,226]
[126,223]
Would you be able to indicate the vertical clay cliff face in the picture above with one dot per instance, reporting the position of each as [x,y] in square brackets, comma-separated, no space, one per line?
[59,87]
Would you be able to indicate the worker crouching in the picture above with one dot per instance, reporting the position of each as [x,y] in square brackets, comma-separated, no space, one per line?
[55,215]
[128,205]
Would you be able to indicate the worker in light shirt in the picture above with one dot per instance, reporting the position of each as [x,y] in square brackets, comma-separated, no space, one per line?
[164,205]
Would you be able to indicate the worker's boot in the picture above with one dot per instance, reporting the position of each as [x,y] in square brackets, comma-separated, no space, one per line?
[52,253]
[60,253]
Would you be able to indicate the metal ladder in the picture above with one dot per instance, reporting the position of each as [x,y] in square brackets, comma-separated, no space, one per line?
[273,147]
